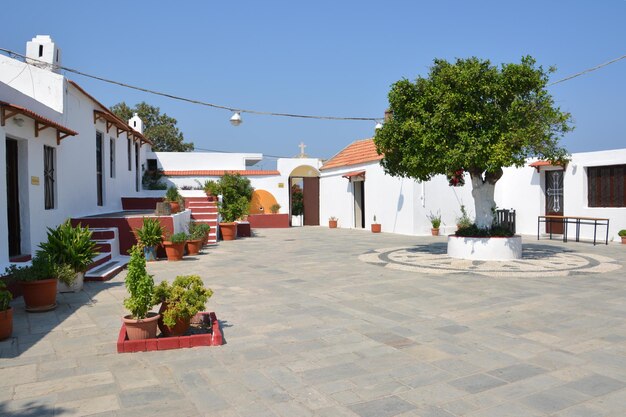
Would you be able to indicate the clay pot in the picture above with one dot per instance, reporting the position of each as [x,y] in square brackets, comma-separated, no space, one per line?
[194,246]
[332,224]
[623,240]
[6,323]
[174,251]
[375,227]
[143,328]
[228,231]
[40,295]
[434,231]
[179,329]
[175,206]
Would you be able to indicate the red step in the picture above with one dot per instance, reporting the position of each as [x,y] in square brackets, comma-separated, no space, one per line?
[102,234]
[103,247]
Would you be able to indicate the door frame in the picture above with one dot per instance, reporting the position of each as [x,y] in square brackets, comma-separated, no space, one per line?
[14,221]
[559,192]
[359,202]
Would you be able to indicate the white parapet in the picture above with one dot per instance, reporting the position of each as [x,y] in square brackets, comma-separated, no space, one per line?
[485,248]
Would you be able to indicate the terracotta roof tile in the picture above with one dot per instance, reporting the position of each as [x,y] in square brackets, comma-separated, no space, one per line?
[356,153]
[39,118]
[218,173]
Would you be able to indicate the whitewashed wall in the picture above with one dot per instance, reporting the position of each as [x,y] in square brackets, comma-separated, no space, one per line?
[189,161]
[4,232]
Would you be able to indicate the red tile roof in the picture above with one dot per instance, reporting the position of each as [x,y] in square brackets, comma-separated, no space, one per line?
[218,173]
[14,108]
[538,164]
[354,174]
[356,153]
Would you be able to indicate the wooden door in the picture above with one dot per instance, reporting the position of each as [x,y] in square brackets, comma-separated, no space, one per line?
[554,200]
[359,204]
[99,169]
[311,193]
[13,199]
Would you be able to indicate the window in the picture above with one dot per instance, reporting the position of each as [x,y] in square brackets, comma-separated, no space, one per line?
[606,186]
[112,157]
[99,169]
[130,154]
[137,179]
[49,176]
[152,164]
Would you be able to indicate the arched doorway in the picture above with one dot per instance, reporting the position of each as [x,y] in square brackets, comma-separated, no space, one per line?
[305,180]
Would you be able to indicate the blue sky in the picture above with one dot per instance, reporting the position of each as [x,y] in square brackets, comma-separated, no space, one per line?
[324,57]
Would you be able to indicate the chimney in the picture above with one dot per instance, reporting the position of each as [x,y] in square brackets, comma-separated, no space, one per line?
[136,123]
[44,53]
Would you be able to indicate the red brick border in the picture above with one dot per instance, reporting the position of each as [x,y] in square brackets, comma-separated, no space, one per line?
[146,345]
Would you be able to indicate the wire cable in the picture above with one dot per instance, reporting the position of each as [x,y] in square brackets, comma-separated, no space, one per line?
[588,70]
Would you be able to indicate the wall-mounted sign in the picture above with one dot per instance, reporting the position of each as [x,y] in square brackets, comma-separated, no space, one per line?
[34,180]
[281,185]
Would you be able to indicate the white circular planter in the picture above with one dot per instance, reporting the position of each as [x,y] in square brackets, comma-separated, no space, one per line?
[485,248]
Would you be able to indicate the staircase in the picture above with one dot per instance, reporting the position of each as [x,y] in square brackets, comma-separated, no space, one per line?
[204,211]
[109,262]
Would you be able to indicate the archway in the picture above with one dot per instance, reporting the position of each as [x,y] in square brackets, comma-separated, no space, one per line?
[305,180]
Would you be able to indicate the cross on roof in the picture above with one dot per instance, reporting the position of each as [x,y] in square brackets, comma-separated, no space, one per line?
[302,146]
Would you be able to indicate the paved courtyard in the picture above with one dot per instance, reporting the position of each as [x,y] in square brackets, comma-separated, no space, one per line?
[327,322]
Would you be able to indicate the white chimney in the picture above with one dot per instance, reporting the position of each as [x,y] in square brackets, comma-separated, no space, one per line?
[136,123]
[44,53]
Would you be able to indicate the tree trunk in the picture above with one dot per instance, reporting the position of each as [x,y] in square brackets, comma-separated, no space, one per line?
[483,188]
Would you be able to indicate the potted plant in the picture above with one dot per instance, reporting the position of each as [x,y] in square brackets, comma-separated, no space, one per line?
[435,221]
[39,281]
[195,238]
[622,234]
[6,312]
[73,246]
[236,193]
[297,205]
[275,208]
[375,226]
[332,222]
[175,246]
[211,189]
[464,221]
[206,229]
[180,301]
[173,197]
[140,323]
[150,235]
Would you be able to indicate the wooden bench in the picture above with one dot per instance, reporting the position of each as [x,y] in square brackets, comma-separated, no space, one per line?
[578,221]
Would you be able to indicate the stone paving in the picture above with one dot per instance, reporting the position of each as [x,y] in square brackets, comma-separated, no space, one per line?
[313,330]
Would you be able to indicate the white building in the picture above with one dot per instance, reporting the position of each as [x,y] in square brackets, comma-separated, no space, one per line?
[65,153]
[354,188]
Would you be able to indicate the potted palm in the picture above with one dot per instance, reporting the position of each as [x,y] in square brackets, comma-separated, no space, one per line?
[211,189]
[196,237]
[6,312]
[180,301]
[150,235]
[275,208]
[236,193]
[175,246]
[73,246]
[173,197]
[39,281]
[375,226]
[140,323]
[332,222]
[622,234]
[435,221]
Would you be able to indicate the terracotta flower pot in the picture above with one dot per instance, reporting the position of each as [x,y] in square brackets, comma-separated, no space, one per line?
[623,240]
[375,227]
[40,295]
[6,323]
[175,207]
[174,251]
[332,224]
[143,328]
[179,329]
[434,231]
[194,246]
[228,231]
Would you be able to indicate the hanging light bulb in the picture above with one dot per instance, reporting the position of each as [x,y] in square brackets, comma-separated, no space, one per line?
[235,120]
[378,126]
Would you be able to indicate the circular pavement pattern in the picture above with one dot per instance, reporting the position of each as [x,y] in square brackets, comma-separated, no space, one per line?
[537,261]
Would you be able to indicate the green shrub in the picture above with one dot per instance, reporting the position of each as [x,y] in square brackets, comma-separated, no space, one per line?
[435,220]
[236,193]
[139,284]
[42,267]
[474,231]
[5,297]
[151,232]
[275,208]
[463,221]
[180,237]
[70,245]
[622,233]
[198,231]
[185,298]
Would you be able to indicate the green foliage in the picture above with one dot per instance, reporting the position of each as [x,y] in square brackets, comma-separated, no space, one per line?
[464,220]
[236,193]
[211,188]
[198,230]
[185,298]
[374,219]
[5,297]
[151,180]
[42,267]
[435,219]
[159,128]
[180,237]
[622,233]
[471,116]
[297,200]
[139,284]
[474,231]
[172,195]
[275,208]
[151,232]
[70,245]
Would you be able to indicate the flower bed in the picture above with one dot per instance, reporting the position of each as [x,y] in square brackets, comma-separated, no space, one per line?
[205,331]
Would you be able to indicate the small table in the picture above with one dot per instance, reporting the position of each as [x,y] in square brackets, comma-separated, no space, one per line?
[577,220]
[243,229]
